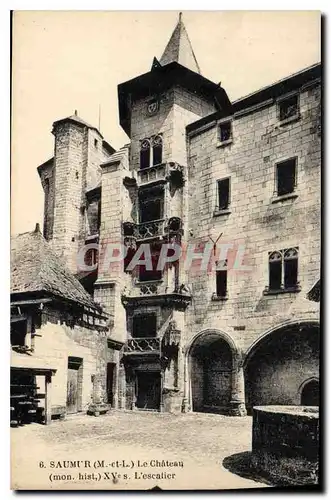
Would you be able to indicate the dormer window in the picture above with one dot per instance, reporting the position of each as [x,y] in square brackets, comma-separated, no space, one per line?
[151,152]
[288,108]
[224,133]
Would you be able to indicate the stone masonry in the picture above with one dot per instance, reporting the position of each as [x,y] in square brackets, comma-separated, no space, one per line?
[210,351]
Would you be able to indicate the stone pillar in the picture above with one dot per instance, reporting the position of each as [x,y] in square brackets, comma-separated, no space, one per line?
[161,391]
[186,399]
[48,398]
[97,391]
[121,387]
[237,403]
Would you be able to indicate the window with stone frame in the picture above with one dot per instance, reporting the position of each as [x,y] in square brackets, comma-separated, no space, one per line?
[144,325]
[151,152]
[145,154]
[286,176]
[288,107]
[221,280]
[223,194]
[157,143]
[151,204]
[283,269]
[153,274]
[225,131]
[91,257]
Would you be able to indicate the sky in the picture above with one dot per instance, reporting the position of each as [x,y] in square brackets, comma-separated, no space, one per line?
[64,61]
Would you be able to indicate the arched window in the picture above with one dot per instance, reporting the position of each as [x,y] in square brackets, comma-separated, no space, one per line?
[157,150]
[145,154]
[290,267]
[275,270]
[283,269]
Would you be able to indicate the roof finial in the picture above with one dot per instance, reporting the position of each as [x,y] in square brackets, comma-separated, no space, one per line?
[75,112]
[180,17]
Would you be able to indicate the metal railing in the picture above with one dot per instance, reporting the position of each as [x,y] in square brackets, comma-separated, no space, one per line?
[149,229]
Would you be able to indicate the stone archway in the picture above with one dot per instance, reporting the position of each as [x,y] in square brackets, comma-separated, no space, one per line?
[310,392]
[212,373]
[279,363]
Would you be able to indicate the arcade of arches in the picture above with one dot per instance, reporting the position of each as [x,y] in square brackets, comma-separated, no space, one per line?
[282,368]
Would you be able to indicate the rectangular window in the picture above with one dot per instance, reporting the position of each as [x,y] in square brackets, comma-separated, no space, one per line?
[221,283]
[286,177]
[223,192]
[225,131]
[144,325]
[283,269]
[151,210]
[18,331]
[289,108]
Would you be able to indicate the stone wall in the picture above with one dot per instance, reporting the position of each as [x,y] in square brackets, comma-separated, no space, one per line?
[257,220]
[285,444]
[56,341]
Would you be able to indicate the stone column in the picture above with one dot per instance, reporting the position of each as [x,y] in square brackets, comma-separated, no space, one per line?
[237,403]
[186,399]
[121,387]
[48,398]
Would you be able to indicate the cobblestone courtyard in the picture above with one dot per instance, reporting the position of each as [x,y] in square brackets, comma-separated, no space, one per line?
[125,450]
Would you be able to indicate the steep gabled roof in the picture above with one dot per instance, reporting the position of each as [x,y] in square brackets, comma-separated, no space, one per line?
[179,49]
[36,268]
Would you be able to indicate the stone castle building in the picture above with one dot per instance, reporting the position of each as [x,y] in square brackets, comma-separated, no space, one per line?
[199,171]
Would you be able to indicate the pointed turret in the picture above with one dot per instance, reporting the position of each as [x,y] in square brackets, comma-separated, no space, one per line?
[179,49]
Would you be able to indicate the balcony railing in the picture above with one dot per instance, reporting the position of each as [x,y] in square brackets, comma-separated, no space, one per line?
[160,228]
[152,174]
[151,288]
[171,171]
[151,229]
[143,345]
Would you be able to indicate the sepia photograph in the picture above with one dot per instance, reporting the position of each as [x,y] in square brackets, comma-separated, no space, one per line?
[165,250]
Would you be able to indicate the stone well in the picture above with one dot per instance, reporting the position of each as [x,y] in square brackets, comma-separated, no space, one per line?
[285,443]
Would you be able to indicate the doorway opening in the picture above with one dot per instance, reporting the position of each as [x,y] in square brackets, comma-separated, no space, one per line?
[111,381]
[210,374]
[148,390]
[74,384]
[310,393]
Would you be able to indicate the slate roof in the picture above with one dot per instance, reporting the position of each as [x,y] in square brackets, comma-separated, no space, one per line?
[179,49]
[36,268]
[77,119]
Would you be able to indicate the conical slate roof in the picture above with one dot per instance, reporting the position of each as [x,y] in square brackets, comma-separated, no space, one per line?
[179,49]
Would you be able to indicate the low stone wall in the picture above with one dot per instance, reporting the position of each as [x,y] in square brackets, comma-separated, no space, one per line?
[285,443]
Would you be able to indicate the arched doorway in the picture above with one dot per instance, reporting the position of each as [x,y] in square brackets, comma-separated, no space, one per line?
[310,393]
[210,368]
[278,364]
